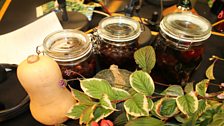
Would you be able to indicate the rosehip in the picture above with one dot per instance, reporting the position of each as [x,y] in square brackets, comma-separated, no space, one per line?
[94,123]
[106,123]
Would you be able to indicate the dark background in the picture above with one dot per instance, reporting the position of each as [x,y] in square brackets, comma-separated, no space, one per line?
[23,12]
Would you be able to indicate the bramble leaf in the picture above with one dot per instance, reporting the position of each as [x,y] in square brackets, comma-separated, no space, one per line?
[173,90]
[209,72]
[87,115]
[95,88]
[106,103]
[76,111]
[81,97]
[165,107]
[142,83]
[217,120]
[150,104]
[189,87]
[168,107]
[137,105]
[146,58]
[188,103]
[119,94]
[101,113]
[202,86]
[145,121]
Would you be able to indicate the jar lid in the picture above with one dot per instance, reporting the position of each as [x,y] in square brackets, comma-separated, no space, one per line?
[67,45]
[185,26]
[119,29]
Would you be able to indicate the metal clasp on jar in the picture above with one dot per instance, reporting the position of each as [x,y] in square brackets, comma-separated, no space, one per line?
[39,49]
[95,39]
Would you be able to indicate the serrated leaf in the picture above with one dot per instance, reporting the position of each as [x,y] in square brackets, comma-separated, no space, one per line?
[189,87]
[173,90]
[76,111]
[150,104]
[121,119]
[87,114]
[217,120]
[119,94]
[209,72]
[137,105]
[156,108]
[95,88]
[146,58]
[106,103]
[201,87]
[168,107]
[82,97]
[188,103]
[142,83]
[191,121]
[101,113]
[145,121]
[202,105]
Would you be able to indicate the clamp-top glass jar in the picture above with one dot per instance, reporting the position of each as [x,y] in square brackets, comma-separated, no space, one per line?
[72,49]
[118,40]
[179,46]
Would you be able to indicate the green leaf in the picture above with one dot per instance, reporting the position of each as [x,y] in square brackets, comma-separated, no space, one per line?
[202,105]
[146,58]
[191,121]
[76,111]
[209,72]
[106,103]
[101,113]
[202,86]
[137,105]
[189,87]
[188,103]
[119,94]
[168,107]
[150,104]
[142,83]
[82,97]
[95,88]
[121,119]
[87,115]
[174,90]
[217,120]
[145,121]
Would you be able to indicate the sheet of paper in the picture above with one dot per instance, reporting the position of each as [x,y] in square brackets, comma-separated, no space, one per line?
[19,44]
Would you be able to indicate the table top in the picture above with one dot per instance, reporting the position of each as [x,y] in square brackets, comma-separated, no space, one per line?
[23,12]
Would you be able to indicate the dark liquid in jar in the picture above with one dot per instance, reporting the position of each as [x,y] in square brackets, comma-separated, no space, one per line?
[175,66]
[123,56]
[85,68]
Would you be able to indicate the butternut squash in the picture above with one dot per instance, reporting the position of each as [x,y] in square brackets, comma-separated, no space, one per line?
[49,102]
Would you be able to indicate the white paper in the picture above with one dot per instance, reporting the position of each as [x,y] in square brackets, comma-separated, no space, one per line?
[16,46]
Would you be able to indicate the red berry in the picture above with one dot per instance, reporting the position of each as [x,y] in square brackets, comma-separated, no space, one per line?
[94,123]
[106,123]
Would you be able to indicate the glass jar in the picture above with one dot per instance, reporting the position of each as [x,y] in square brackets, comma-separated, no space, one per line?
[118,40]
[72,49]
[179,47]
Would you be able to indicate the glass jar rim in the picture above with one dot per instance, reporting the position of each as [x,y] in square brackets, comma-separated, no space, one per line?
[185,26]
[131,29]
[67,45]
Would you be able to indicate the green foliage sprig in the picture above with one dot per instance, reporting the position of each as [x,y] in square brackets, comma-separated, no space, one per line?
[142,106]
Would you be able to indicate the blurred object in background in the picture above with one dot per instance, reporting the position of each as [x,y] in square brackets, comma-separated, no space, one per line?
[218,9]
[183,5]
[217,6]
[115,5]
[220,25]
[165,2]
